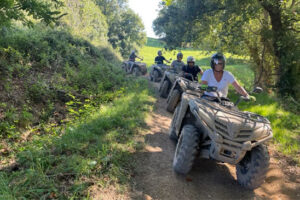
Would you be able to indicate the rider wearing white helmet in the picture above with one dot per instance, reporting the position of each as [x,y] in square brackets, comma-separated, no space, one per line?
[218,77]
[191,69]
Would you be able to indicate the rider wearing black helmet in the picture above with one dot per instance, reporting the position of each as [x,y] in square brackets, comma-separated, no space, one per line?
[178,64]
[218,77]
[160,58]
[190,69]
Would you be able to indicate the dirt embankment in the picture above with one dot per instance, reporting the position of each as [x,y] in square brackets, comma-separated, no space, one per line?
[154,177]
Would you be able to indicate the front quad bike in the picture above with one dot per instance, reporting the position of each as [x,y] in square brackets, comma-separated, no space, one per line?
[157,72]
[137,68]
[166,82]
[182,85]
[218,130]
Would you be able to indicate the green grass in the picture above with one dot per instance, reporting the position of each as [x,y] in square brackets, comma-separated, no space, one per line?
[93,149]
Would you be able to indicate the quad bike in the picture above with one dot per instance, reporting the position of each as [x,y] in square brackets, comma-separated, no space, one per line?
[157,71]
[166,82]
[182,85]
[137,68]
[216,129]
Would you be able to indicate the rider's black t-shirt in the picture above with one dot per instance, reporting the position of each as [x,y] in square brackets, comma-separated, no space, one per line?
[159,59]
[132,57]
[192,70]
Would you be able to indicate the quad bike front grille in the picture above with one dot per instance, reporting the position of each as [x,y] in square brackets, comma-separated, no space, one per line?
[239,135]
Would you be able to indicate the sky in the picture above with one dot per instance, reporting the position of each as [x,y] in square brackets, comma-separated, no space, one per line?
[148,11]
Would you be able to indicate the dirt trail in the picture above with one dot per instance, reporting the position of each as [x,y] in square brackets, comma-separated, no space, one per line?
[155,179]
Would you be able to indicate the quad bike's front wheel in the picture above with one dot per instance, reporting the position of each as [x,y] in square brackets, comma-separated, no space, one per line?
[155,76]
[251,171]
[186,149]
[173,101]
[164,89]
[136,71]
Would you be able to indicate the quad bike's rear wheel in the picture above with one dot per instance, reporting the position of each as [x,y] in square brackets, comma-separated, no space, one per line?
[164,89]
[155,76]
[186,149]
[173,101]
[136,71]
[172,132]
[251,171]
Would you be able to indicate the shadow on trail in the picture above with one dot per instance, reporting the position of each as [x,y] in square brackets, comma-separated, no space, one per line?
[207,179]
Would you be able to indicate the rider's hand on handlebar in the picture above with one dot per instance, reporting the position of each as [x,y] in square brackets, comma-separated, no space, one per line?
[203,87]
[252,98]
[249,98]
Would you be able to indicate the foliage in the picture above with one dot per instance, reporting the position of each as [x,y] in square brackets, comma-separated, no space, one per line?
[85,20]
[20,10]
[39,68]
[126,30]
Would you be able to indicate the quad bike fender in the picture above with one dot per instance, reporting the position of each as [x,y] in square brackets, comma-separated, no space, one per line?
[183,109]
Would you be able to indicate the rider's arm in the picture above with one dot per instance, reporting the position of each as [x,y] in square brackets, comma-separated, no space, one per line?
[240,89]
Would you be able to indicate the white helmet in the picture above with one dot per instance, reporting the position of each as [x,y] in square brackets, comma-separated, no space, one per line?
[133,51]
[190,59]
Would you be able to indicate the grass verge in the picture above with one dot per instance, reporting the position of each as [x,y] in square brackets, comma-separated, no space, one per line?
[94,149]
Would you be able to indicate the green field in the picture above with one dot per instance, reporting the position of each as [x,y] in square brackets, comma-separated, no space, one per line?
[285,124]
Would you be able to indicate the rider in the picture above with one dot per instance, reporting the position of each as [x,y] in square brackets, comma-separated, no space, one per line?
[132,57]
[160,59]
[191,69]
[178,64]
[218,77]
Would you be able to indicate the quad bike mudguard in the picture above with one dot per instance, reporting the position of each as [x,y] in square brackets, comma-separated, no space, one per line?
[230,133]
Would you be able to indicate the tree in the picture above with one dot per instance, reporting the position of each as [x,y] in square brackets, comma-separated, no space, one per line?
[20,10]
[125,28]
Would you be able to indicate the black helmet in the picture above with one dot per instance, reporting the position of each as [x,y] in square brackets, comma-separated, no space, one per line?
[180,55]
[215,58]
